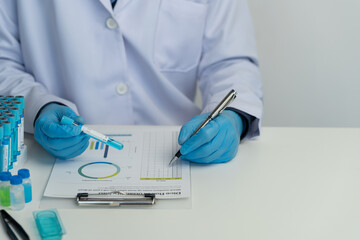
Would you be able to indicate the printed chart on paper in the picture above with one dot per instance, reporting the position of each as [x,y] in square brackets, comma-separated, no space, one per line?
[142,166]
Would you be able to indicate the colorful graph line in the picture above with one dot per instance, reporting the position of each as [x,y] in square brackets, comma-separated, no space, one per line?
[80,170]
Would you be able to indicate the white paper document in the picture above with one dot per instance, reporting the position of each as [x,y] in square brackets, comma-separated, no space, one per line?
[142,166]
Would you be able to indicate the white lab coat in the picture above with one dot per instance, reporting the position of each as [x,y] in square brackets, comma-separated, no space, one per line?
[135,64]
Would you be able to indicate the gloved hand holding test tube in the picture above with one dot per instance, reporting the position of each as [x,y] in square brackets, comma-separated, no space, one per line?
[92,133]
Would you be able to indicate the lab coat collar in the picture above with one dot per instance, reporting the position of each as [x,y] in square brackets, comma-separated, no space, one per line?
[107,5]
[120,4]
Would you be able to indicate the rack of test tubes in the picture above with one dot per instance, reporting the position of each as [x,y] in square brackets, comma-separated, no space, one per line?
[15,184]
[13,150]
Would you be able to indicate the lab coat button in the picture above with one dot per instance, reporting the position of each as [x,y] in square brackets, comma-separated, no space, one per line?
[121,88]
[111,23]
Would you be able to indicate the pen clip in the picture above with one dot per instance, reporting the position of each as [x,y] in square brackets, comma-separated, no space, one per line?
[114,199]
[9,221]
[223,104]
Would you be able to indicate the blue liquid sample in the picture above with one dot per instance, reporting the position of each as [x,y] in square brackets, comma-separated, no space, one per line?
[115,144]
[27,192]
[25,175]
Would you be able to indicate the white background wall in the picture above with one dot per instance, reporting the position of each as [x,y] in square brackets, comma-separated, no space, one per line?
[309,53]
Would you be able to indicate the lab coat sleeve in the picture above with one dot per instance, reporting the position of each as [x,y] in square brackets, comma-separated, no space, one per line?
[14,78]
[229,61]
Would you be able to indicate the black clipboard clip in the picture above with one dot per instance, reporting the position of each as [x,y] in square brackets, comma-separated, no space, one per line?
[10,224]
[114,199]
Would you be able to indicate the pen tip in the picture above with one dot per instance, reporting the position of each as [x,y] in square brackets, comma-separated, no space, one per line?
[173,160]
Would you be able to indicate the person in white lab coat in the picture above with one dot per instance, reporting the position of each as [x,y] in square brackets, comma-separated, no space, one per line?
[136,62]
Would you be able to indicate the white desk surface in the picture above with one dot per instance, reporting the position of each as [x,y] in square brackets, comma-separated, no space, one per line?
[289,184]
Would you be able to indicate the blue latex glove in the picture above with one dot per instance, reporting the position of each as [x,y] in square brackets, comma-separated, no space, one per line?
[217,142]
[62,141]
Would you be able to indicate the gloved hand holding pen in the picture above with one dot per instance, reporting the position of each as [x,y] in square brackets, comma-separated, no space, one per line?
[216,142]
[62,141]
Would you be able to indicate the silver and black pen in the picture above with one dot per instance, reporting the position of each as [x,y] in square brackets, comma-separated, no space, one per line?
[219,108]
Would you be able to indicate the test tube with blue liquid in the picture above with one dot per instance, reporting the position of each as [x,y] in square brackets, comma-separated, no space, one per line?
[92,133]
[6,144]
[14,136]
[3,163]
[15,111]
[20,105]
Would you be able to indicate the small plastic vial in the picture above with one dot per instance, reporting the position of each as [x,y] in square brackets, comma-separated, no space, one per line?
[26,182]
[5,189]
[17,198]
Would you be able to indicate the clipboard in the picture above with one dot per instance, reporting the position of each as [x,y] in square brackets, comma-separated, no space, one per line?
[114,199]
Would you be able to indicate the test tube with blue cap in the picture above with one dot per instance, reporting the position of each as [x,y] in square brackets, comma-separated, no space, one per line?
[92,133]
[21,99]
[14,136]
[6,102]
[15,111]
[20,105]
[6,144]
[3,162]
